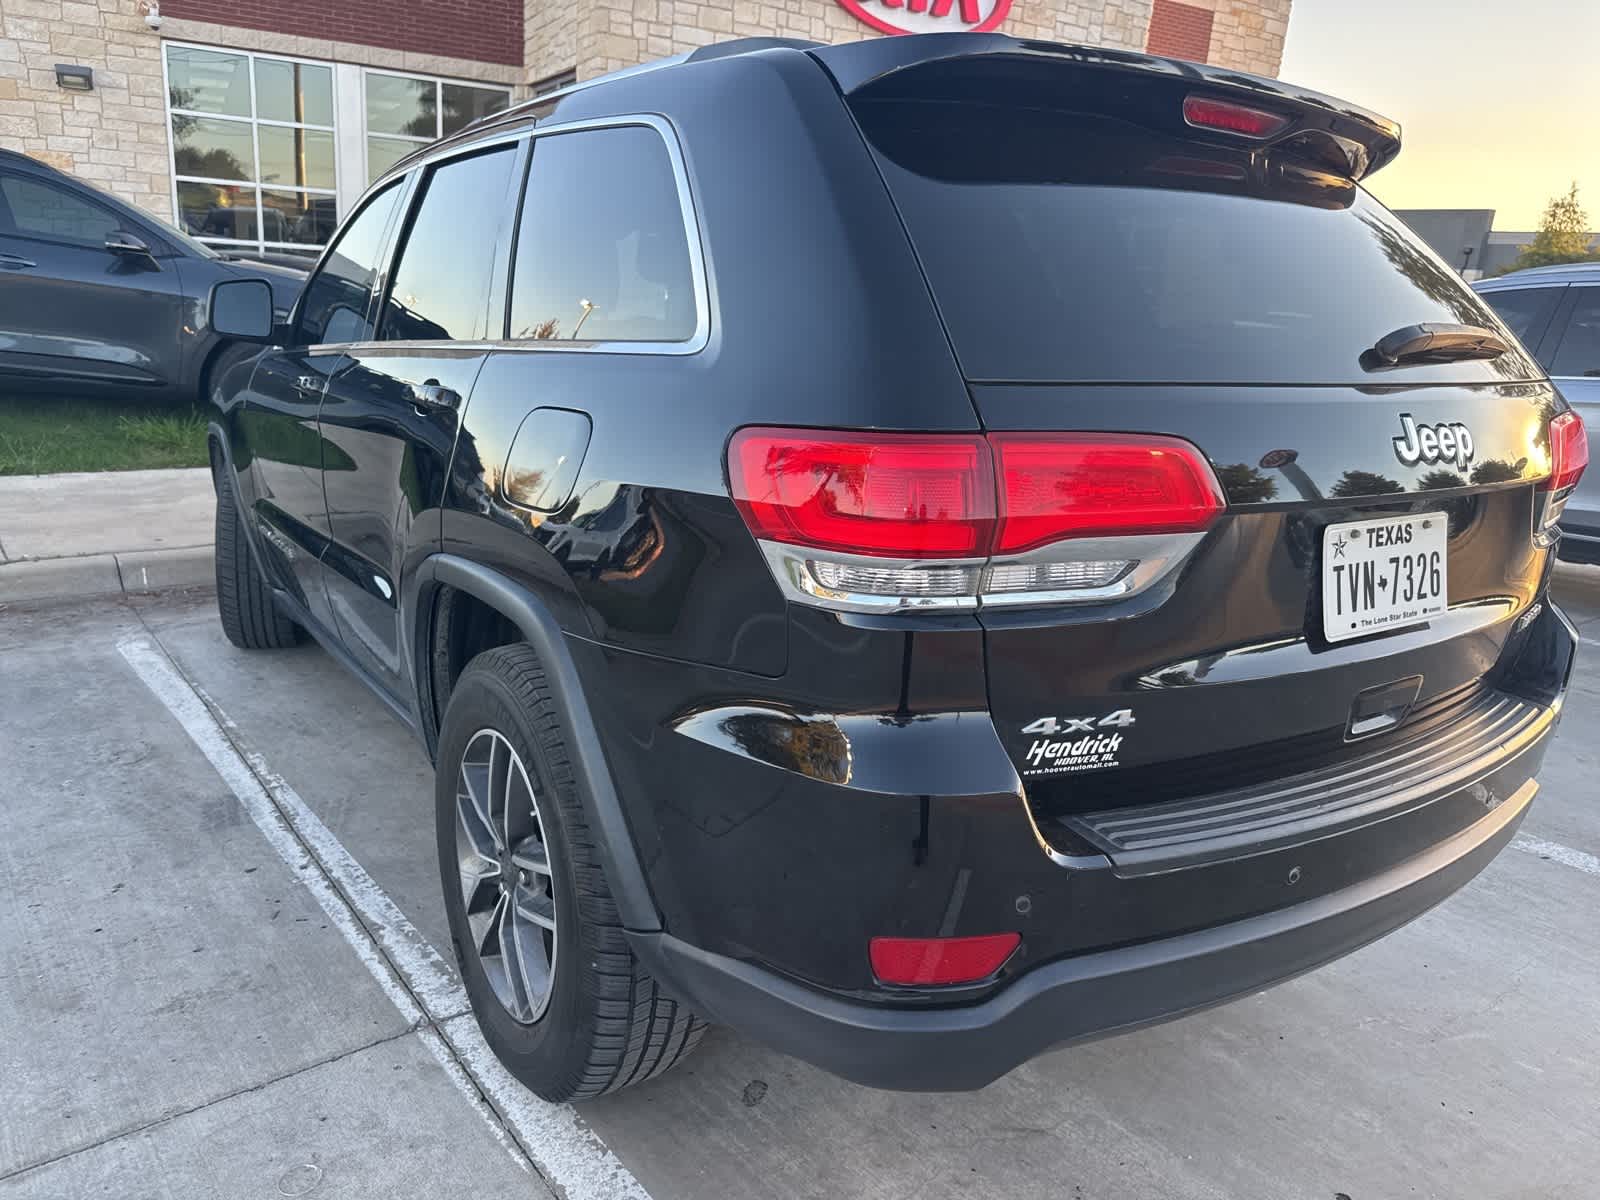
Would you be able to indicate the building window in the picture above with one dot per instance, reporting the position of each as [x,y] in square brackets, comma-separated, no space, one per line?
[253,163]
[404,112]
[554,83]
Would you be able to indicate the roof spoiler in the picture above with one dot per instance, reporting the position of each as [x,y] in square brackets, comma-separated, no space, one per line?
[1359,140]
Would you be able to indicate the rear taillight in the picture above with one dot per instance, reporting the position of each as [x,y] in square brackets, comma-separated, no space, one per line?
[934,962]
[1206,112]
[1055,486]
[1569,452]
[867,522]
[1569,455]
[895,495]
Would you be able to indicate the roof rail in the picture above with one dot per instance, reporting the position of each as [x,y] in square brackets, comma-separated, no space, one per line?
[749,45]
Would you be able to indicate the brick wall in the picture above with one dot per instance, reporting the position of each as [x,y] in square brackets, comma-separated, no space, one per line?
[1245,35]
[1179,31]
[485,30]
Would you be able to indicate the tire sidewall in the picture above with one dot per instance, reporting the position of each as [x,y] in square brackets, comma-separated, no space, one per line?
[550,1053]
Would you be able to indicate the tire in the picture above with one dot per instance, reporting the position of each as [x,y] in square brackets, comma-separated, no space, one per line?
[604,1023]
[250,615]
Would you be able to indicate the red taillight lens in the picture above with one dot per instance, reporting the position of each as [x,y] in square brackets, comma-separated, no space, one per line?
[935,961]
[891,495]
[1569,452]
[934,495]
[1056,486]
[1205,112]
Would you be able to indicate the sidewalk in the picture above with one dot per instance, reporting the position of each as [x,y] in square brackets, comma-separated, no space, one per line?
[104,533]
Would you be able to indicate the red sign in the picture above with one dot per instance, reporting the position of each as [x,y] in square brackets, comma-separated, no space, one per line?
[929,16]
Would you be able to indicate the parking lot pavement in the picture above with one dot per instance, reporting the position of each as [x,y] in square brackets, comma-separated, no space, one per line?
[185,1017]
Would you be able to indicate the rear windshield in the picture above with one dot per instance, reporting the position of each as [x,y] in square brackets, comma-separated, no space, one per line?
[1065,242]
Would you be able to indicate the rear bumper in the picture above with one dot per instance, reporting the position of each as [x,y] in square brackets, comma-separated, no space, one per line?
[1077,998]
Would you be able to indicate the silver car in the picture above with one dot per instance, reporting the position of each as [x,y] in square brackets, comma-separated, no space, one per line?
[1555,312]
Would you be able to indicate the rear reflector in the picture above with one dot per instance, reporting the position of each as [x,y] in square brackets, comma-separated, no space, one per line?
[935,961]
[1569,452]
[1205,112]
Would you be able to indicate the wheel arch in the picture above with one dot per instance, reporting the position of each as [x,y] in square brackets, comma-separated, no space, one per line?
[535,624]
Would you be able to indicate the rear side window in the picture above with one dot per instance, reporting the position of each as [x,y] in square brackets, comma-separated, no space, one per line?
[1073,230]
[334,310]
[602,253]
[1526,311]
[42,210]
[441,281]
[1579,351]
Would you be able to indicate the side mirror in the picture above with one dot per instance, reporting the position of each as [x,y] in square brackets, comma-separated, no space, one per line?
[242,309]
[125,244]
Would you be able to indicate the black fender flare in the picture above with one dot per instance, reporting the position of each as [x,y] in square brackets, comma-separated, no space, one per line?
[540,629]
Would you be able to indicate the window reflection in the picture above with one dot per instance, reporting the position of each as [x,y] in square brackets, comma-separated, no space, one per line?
[441,281]
[602,253]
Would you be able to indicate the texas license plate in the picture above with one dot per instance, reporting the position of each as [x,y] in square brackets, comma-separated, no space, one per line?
[1383,574]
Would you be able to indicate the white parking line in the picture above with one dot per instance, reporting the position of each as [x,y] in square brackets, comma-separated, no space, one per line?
[1578,860]
[410,971]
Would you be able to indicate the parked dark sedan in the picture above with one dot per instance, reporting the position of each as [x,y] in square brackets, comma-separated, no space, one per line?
[99,298]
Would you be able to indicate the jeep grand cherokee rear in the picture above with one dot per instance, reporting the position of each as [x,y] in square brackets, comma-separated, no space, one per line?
[922,551]
[1250,537]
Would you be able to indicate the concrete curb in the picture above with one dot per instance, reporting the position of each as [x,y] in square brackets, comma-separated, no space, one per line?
[129,573]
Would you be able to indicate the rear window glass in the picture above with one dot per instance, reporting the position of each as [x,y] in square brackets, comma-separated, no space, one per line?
[1067,243]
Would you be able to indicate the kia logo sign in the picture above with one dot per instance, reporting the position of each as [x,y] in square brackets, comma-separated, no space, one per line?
[929,16]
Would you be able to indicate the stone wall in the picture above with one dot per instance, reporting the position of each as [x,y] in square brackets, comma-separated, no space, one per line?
[1247,35]
[115,137]
[620,33]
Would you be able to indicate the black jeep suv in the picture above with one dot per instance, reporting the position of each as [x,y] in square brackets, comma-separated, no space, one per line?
[922,551]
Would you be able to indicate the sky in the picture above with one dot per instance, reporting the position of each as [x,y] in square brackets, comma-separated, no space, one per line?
[1498,102]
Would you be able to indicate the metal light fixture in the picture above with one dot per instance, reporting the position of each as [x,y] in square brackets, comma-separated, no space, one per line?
[74,79]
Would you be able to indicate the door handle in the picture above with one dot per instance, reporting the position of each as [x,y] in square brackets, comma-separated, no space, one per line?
[13,262]
[430,396]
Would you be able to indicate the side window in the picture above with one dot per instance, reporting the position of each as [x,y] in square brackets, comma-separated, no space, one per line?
[1526,311]
[43,210]
[1579,351]
[337,298]
[601,250]
[440,287]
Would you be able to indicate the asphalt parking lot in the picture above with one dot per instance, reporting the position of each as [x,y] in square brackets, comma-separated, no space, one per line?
[220,922]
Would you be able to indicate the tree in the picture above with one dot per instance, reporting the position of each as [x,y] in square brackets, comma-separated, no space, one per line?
[1563,235]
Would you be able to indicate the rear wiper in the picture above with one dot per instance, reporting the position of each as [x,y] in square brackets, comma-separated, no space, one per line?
[1434,343]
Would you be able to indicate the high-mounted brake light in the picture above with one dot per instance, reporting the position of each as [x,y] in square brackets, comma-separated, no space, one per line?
[869,522]
[1207,112]
[932,962]
[1569,452]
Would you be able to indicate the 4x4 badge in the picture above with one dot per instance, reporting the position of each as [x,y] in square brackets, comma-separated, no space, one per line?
[1449,442]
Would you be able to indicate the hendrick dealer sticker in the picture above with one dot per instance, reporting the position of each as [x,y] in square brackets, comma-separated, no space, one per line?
[1068,744]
